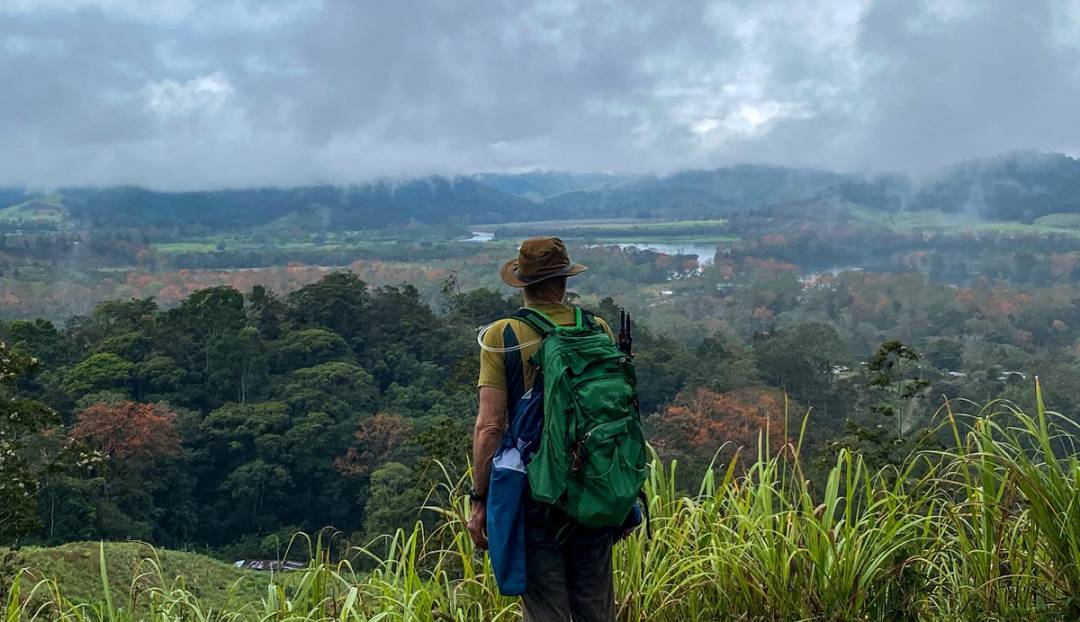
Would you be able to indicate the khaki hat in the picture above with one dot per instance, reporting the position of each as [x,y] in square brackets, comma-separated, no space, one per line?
[539,259]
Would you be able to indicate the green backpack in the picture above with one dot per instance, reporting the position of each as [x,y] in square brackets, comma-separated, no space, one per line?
[591,460]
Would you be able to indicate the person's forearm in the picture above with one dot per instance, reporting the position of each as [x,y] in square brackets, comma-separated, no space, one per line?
[486,441]
[490,426]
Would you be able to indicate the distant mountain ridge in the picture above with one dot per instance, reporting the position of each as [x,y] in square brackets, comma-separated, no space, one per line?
[538,186]
[1015,186]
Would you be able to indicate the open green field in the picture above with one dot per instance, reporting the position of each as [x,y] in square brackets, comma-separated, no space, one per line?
[620,231]
[212,247]
[186,247]
[47,210]
[633,224]
[933,220]
[1059,221]
[213,244]
[625,231]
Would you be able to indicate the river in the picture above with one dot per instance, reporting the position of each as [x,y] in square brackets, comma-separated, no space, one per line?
[705,253]
[480,237]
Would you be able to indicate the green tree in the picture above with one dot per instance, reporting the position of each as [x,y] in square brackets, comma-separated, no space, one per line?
[1024,262]
[393,501]
[98,372]
[39,337]
[23,461]
[257,486]
[123,316]
[158,378]
[111,318]
[266,311]
[131,346]
[803,360]
[202,334]
[230,438]
[343,390]
[309,347]
[479,306]
[337,302]
[945,354]
[405,339]
[724,365]
[241,365]
[895,370]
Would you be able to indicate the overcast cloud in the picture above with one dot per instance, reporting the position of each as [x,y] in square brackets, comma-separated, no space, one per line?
[199,94]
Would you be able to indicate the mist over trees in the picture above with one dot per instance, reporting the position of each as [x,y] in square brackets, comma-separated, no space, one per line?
[1017,186]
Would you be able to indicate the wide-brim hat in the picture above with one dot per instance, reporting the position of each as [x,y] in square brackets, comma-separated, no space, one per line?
[539,259]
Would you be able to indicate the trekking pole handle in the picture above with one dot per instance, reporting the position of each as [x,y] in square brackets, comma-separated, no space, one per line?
[626,336]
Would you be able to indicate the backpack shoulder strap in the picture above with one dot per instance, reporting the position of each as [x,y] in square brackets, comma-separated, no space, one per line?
[543,325]
[513,364]
[589,320]
[536,320]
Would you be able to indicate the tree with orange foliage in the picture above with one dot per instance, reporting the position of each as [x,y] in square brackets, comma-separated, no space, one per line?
[131,434]
[377,439]
[702,422]
[135,445]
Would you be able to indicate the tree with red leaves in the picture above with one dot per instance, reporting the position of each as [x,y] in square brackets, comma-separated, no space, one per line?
[702,422]
[377,439]
[131,434]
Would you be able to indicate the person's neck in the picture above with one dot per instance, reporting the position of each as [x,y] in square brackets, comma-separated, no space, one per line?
[530,302]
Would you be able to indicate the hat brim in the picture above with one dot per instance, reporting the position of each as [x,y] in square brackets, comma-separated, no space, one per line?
[511,277]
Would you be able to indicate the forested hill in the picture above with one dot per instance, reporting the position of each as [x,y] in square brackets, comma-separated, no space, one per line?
[374,205]
[1018,186]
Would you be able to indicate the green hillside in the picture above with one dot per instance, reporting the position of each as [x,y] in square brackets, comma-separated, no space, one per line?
[76,566]
[1064,221]
[48,210]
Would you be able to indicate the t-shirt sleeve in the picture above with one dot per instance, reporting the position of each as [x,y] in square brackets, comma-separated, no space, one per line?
[492,365]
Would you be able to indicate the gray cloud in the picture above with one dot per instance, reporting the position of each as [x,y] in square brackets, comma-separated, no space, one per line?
[210,93]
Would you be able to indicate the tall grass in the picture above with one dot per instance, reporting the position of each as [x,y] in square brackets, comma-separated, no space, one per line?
[989,530]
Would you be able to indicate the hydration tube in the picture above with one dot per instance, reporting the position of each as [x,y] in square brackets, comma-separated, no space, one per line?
[483,346]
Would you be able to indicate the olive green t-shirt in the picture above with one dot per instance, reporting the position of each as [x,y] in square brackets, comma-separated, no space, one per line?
[492,364]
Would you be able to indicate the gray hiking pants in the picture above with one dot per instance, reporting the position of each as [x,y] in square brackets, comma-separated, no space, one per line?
[567,569]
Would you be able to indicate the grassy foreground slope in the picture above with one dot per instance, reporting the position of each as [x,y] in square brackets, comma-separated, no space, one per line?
[988,530]
[132,567]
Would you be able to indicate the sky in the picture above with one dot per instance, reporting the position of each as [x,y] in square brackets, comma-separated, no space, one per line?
[183,94]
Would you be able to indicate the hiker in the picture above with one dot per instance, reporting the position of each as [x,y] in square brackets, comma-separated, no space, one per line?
[550,536]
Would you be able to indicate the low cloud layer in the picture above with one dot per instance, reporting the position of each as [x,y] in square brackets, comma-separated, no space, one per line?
[212,93]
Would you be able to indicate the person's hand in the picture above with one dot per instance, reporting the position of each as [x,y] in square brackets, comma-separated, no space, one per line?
[478,525]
